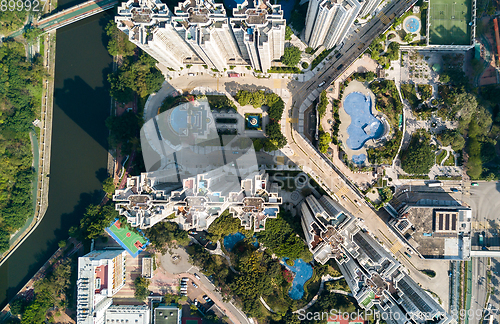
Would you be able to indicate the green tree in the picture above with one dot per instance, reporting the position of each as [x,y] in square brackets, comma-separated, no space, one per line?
[273,131]
[141,286]
[95,219]
[324,142]
[288,33]
[291,56]
[108,186]
[31,33]
[118,43]
[418,158]
[323,103]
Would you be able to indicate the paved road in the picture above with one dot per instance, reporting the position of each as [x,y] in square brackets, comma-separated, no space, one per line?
[478,295]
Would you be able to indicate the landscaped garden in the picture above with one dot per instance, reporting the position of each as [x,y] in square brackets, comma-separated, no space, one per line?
[275,107]
[263,273]
[387,102]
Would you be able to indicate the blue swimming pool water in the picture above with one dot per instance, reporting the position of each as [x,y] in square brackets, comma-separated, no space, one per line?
[359,159]
[303,272]
[231,240]
[178,119]
[364,125]
[412,24]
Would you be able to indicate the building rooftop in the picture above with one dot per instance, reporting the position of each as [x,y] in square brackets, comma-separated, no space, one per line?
[436,231]
[166,315]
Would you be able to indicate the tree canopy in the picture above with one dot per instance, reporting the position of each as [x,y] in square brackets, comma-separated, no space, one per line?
[324,142]
[418,158]
[139,76]
[118,43]
[291,56]
[20,95]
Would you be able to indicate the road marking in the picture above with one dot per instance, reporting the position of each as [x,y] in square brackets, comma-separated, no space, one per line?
[342,191]
[396,247]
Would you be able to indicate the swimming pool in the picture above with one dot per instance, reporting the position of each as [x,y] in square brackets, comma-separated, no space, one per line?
[364,125]
[179,119]
[411,24]
[231,240]
[303,272]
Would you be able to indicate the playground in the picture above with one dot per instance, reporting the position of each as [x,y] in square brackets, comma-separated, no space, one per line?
[450,22]
[131,241]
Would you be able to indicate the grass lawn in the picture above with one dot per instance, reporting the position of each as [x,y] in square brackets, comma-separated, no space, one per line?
[449,22]
[440,157]
[450,161]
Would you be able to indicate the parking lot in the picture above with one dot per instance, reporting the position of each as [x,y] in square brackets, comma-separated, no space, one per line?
[195,295]
[485,203]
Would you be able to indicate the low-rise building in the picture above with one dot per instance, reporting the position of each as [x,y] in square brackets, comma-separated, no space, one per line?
[101,274]
[435,229]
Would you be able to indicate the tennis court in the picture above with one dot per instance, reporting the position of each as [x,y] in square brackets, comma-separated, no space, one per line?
[449,22]
[131,241]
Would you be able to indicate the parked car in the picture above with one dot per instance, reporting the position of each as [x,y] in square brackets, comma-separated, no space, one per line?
[338,55]
[340,66]
[196,276]
[474,184]
[195,285]
[454,189]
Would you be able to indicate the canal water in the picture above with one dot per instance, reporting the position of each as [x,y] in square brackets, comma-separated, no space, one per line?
[79,146]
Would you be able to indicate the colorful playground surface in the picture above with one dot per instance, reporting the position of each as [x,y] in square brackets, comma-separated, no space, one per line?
[411,24]
[131,241]
[450,22]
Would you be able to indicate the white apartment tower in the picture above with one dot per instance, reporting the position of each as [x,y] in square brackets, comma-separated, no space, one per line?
[259,29]
[148,24]
[199,32]
[328,21]
[369,7]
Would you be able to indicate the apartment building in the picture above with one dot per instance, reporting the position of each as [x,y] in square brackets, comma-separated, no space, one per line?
[329,21]
[199,32]
[200,201]
[259,30]
[373,275]
[369,7]
[101,274]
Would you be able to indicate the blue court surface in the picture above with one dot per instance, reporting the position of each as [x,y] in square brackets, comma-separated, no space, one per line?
[303,272]
[364,125]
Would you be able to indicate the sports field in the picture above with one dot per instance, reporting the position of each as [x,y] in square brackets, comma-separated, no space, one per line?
[131,241]
[449,22]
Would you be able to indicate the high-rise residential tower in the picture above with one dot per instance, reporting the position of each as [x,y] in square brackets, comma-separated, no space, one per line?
[328,21]
[199,32]
[369,7]
[259,29]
